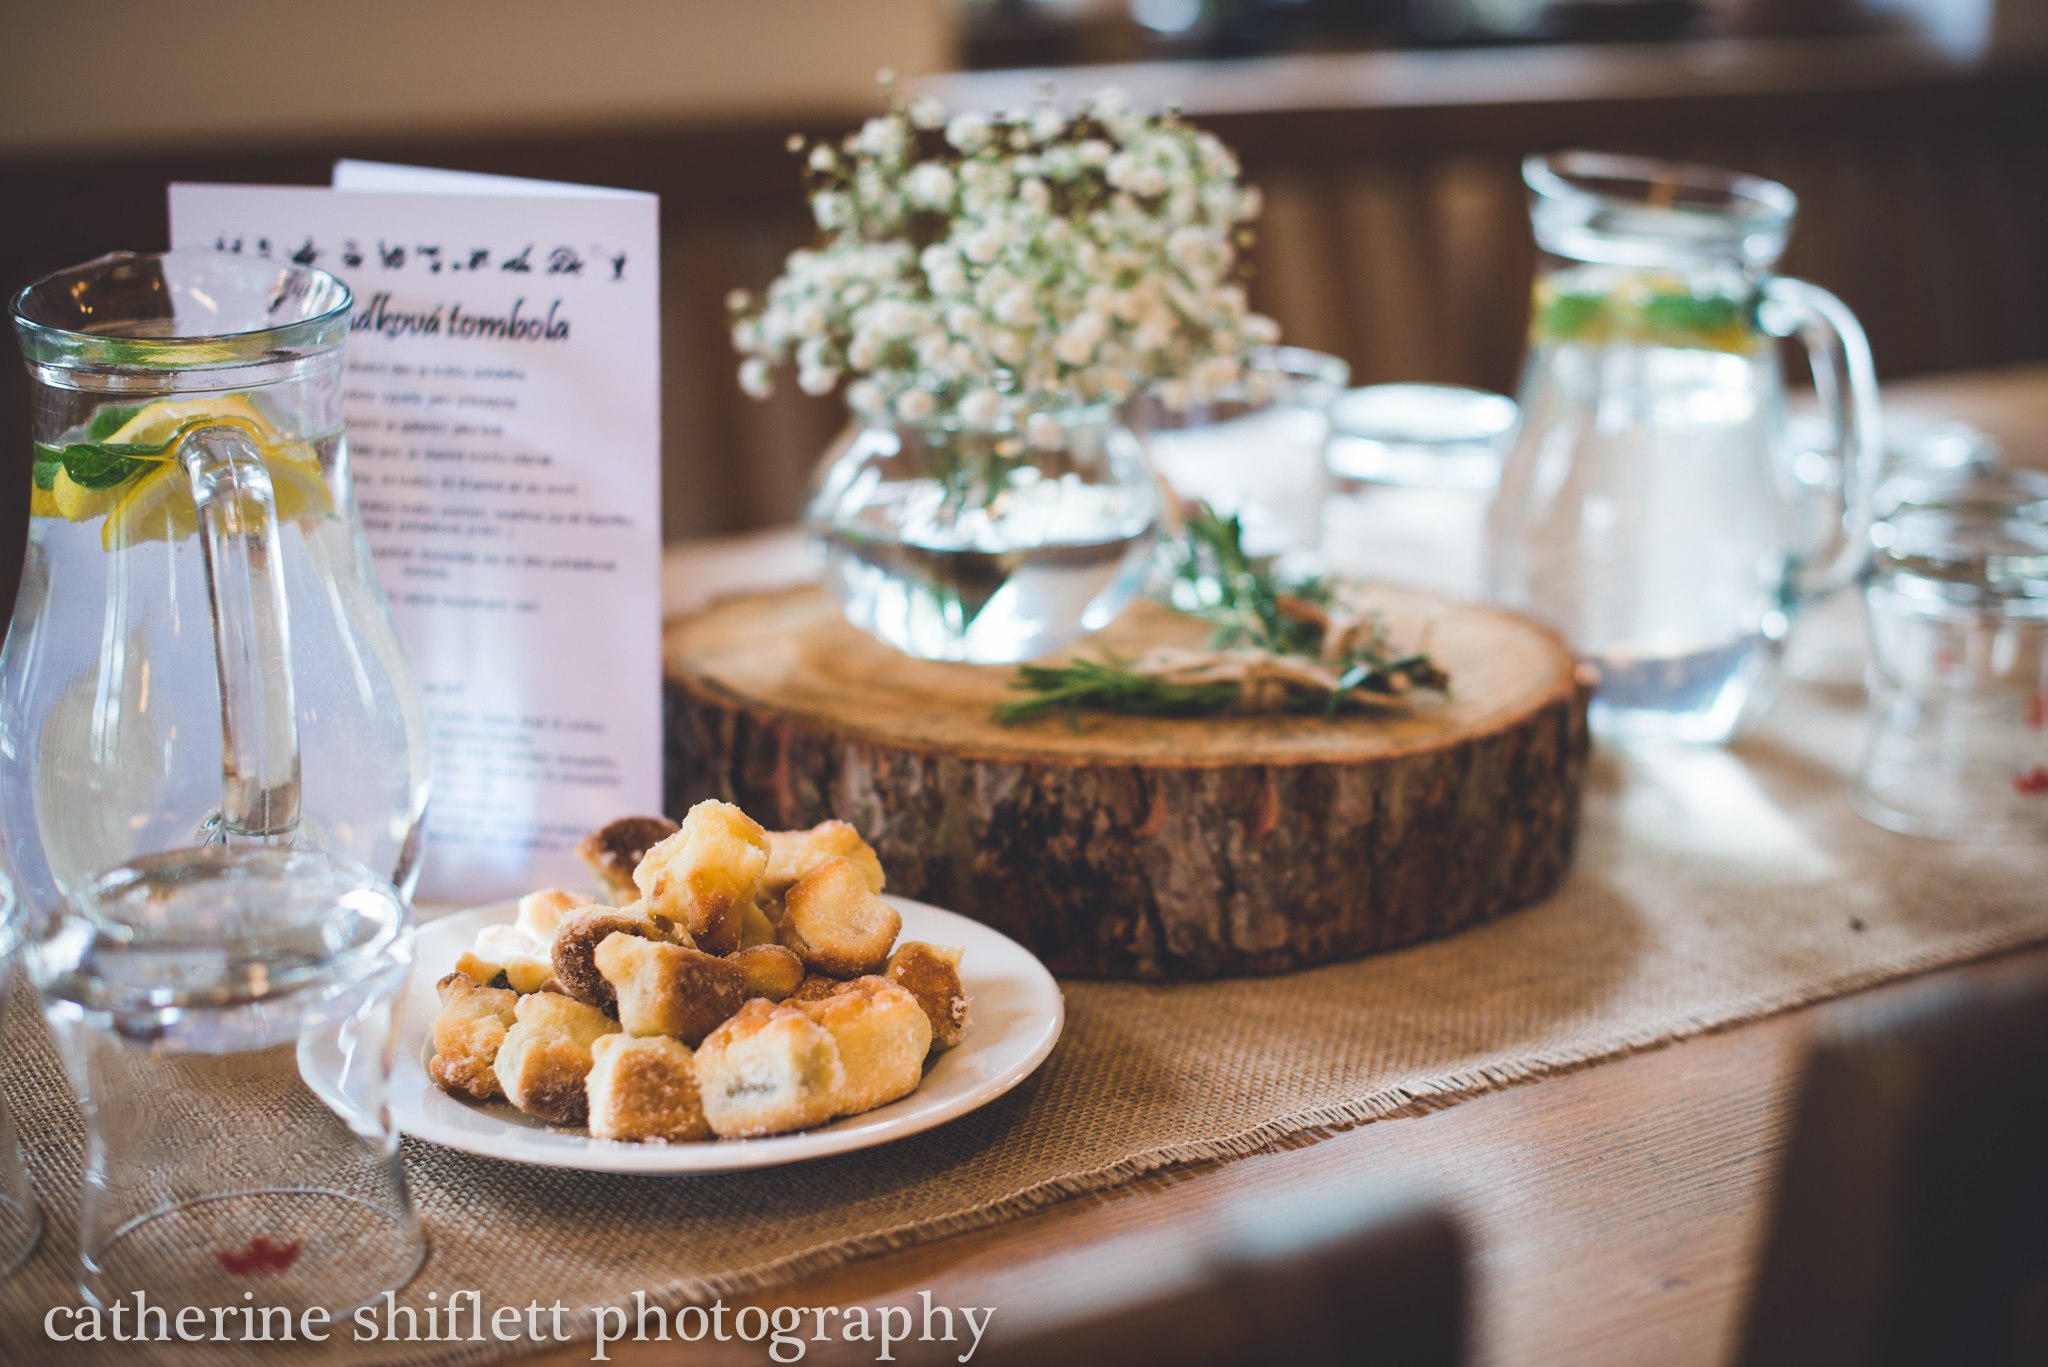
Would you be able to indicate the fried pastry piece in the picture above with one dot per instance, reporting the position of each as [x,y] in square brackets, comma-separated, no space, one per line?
[794,854]
[467,1033]
[615,849]
[481,971]
[931,973]
[546,1056]
[816,987]
[883,1036]
[706,874]
[574,954]
[836,924]
[512,951]
[644,1088]
[771,971]
[769,1069]
[665,989]
[541,913]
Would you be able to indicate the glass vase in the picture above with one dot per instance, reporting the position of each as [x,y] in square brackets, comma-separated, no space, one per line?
[951,541]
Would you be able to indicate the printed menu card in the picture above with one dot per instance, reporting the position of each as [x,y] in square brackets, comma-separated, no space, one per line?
[502,394]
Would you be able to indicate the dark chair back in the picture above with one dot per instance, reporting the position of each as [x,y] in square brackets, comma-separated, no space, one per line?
[1912,1215]
[1310,1285]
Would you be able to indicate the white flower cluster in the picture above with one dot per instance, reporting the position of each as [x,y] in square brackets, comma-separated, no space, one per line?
[997,268]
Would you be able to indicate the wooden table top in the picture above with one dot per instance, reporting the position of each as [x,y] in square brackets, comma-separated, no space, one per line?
[1612,1214]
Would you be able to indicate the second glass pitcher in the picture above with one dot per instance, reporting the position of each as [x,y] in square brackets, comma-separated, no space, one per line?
[200,653]
[1649,509]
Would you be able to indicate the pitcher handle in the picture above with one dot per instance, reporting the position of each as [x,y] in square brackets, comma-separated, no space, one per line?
[1845,385]
[259,727]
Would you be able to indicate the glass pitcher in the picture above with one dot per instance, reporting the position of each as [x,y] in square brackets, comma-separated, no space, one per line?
[1649,508]
[199,654]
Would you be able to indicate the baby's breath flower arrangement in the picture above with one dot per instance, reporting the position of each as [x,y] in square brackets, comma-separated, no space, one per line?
[1000,269]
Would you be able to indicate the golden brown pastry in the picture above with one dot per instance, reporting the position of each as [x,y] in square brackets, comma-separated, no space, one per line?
[614,850]
[706,874]
[509,954]
[771,971]
[574,955]
[467,1034]
[836,923]
[793,854]
[883,1036]
[665,989]
[546,1056]
[931,973]
[769,1069]
[644,1088]
[541,913]
[816,987]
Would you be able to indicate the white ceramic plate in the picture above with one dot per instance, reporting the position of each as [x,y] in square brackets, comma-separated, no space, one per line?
[1015,1012]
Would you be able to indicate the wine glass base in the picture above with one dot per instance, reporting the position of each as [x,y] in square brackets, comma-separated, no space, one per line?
[291,1248]
[1944,804]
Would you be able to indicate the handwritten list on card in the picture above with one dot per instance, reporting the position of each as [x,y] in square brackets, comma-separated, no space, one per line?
[502,402]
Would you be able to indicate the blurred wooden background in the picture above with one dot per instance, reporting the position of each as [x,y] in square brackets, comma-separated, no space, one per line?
[1395,235]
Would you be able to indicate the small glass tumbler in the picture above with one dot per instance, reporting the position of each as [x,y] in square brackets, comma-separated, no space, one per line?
[21,1219]
[1255,450]
[181,989]
[1957,606]
[1412,468]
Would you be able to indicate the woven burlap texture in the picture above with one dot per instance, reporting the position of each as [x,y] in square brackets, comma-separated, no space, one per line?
[1710,888]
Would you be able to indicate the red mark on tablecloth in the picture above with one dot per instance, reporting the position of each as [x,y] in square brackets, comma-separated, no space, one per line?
[261,1258]
[2033,783]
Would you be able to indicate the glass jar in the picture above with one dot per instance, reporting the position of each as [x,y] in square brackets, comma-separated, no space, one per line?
[1255,451]
[182,990]
[980,544]
[1412,469]
[200,653]
[1649,508]
[1957,601]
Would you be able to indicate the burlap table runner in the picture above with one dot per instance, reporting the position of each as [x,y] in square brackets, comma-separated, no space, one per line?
[1709,889]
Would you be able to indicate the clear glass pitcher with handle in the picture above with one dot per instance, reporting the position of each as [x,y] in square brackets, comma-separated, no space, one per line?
[200,654]
[1648,508]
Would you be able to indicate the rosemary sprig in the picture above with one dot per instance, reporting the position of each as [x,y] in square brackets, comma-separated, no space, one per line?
[1277,645]
[1110,685]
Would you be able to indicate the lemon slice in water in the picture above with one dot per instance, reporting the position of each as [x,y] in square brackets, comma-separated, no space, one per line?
[295,477]
[160,421]
[74,502]
[156,507]
[155,504]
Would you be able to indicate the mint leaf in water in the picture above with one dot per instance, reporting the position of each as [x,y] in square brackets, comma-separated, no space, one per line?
[102,467]
[49,460]
[1691,313]
[1567,315]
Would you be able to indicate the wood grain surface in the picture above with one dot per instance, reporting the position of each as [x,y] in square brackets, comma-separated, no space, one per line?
[1613,1213]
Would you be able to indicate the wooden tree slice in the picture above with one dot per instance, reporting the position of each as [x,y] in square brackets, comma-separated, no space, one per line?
[1147,847]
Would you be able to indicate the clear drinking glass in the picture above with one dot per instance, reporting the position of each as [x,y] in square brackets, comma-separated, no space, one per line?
[1412,469]
[1650,508]
[1256,451]
[200,652]
[956,542]
[1957,602]
[180,989]
[21,1219]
